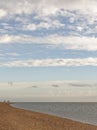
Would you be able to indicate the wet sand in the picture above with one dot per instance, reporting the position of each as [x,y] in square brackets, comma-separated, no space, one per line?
[18,119]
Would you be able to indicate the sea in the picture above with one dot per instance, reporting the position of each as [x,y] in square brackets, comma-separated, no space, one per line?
[79,111]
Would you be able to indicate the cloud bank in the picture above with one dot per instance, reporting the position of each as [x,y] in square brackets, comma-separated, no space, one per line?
[66,89]
[68,42]
[46,7]
[51,62]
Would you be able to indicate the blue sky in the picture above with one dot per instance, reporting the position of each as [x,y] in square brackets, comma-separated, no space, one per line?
[43,40]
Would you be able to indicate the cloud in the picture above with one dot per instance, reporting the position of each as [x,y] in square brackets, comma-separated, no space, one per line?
[45,8]
[66,42]
[12,54]
[51,62]
[55,85]
[81,85]
[62,89]
[21,7]
[2,13]
[43,25]
[5,39]
[49,13]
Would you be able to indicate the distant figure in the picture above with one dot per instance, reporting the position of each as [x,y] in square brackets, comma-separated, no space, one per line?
[6,101]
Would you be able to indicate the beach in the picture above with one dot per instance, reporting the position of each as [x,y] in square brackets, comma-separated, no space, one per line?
[19,119]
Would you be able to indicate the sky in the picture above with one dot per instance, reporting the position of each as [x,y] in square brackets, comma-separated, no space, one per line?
[48,41]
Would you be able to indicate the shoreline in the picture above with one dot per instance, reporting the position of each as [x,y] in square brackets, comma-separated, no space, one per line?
[12,118]
[80,114]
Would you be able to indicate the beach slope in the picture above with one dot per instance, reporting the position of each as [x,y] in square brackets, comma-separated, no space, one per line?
[18,119]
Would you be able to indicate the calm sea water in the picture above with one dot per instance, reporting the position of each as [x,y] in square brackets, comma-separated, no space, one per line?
[84,112]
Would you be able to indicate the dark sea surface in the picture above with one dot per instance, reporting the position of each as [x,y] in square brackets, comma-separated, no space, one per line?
[83,112]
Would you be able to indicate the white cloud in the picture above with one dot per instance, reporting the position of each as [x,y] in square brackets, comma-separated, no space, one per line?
[47,11]
[16,7]
[12,54]
[51,62]
[30,27]
[79,28]
[46,25]
[5,39]
[45,7]
[2,13]
[71,20]
[50,24]
[68,42]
